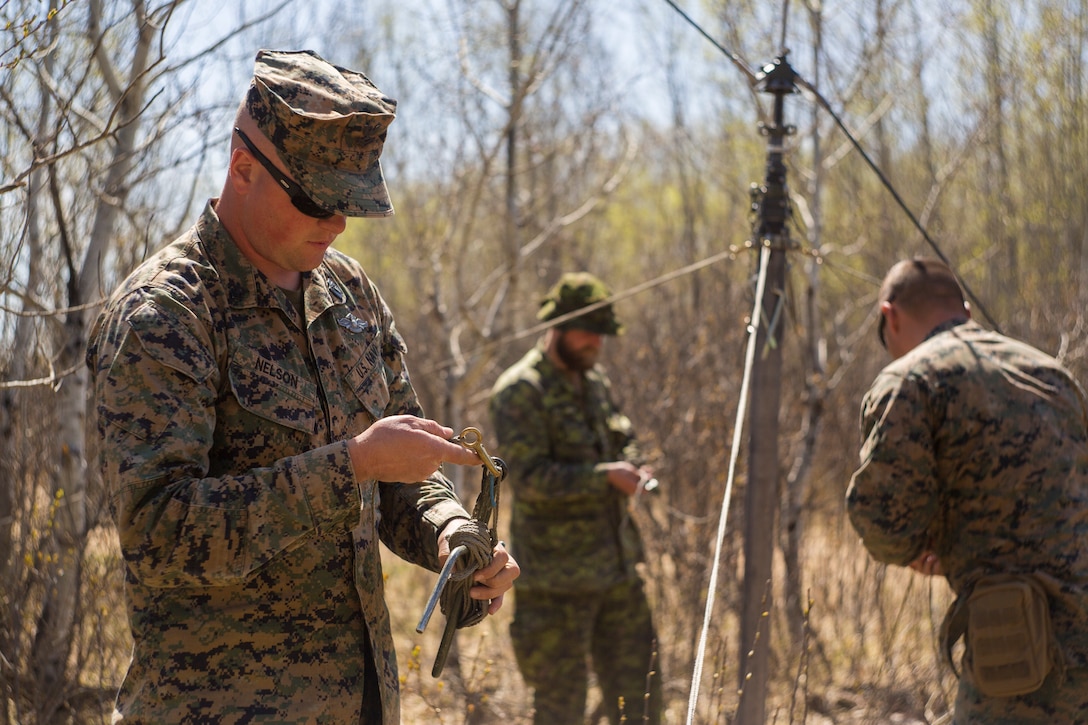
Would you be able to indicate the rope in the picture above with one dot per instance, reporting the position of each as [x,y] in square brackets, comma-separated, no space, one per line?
[728,254]
[887,184]
[475,539]
[749,358]
[737,61]
[799,81]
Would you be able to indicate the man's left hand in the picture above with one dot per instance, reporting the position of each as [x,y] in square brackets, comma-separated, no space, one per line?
[493,580]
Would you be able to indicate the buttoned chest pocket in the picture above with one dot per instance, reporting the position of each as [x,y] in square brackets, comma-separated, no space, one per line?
[275,391]
[367,380]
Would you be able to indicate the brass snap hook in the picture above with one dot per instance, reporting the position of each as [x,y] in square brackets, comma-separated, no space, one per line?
[473,439]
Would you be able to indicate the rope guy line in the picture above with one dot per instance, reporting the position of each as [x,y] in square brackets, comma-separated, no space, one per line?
[752,78]
[749,359]
[779,84]
[895,195]
[885,182]
[730,253]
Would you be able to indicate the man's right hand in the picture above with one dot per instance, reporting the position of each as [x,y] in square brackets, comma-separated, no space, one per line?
[624,476]
[927,563]
[406,449]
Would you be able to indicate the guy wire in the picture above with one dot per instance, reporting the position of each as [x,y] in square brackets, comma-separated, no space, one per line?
[742,404]
[823,103]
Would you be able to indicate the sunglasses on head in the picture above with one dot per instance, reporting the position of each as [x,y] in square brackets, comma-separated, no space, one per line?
[299,198]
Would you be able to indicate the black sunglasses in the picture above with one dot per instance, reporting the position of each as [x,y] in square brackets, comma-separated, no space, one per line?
[299,198]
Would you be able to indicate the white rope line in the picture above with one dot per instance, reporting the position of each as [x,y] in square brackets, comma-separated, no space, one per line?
[749,357]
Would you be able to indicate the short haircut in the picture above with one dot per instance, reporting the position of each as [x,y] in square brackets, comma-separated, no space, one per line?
[921,285]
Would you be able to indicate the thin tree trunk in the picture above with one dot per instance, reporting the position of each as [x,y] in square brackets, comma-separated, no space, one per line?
[59,615]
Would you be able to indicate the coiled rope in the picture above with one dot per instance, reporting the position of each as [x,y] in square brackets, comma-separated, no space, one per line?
[471,548]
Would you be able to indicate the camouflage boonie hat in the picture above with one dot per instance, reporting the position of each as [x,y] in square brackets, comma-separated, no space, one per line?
[574,291]
[328,124]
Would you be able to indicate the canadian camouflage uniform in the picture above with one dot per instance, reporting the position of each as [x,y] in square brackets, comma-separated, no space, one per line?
[579,591]
[976,446]
[252,565]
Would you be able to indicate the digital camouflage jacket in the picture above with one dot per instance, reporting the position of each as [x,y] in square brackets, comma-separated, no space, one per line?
[252,562]
[570,529]
[976,446]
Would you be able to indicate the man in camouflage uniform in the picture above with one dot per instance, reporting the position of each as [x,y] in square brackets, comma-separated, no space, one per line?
[252,402]
[975,462]
[574,468]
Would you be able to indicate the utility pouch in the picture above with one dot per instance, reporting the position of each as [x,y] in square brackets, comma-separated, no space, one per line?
[1010,647]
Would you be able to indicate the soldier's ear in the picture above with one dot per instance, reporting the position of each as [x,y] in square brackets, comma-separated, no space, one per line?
[240,170]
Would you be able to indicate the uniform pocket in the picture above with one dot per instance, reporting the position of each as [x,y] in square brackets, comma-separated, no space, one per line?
[366,379]
[1008,636]
[273,391]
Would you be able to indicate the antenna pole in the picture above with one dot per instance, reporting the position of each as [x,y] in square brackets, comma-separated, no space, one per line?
[770,204]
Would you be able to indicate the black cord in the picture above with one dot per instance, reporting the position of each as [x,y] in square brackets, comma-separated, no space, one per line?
[753,79]
[895,195]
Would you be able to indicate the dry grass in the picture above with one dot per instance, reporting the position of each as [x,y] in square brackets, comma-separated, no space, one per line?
[479,683]
[869,656]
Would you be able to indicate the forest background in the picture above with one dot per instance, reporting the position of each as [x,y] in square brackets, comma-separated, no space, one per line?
[535,137]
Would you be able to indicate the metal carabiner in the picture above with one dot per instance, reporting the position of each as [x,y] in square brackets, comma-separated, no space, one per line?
[472,438]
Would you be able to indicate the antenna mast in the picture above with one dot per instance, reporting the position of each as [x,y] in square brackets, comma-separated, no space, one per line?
[770,204]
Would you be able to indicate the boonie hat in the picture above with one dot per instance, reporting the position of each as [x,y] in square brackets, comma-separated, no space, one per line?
[574,291]
[328,125]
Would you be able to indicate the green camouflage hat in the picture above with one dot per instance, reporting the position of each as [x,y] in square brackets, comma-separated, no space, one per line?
[328,125]
[574,291]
